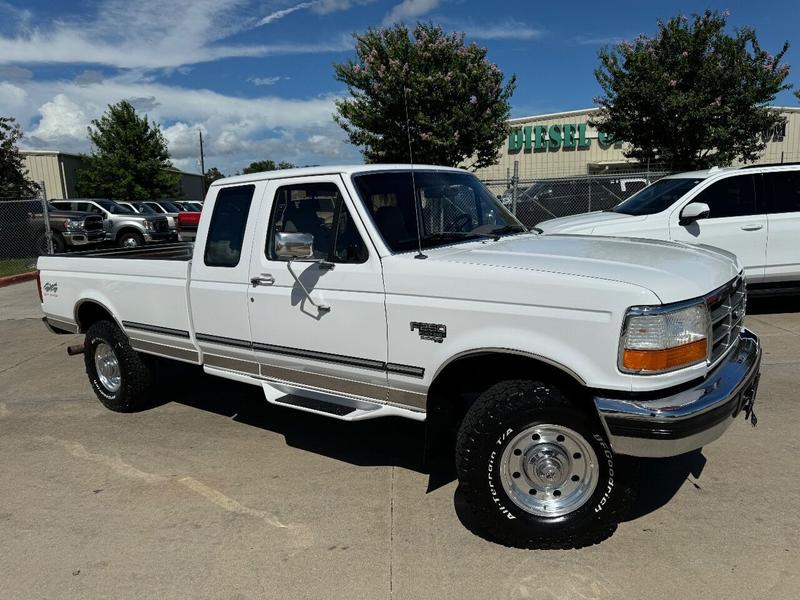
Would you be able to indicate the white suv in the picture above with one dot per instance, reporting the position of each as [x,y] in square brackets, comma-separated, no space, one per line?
[753,212]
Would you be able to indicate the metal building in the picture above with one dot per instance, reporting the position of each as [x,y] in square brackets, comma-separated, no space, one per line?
[58,172]
[563,145]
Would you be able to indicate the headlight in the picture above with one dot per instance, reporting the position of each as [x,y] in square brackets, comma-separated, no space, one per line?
[73,225]
[658,339]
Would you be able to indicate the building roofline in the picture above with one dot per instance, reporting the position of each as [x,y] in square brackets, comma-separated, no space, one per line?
[581,111]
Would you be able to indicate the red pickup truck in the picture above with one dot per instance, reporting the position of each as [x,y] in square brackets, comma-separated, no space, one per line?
[186,223]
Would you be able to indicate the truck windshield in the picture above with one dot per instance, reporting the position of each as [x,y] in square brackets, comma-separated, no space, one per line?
[449,207]
[656,197]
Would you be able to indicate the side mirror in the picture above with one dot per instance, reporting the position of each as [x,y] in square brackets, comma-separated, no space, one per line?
[693,212]
[294,245]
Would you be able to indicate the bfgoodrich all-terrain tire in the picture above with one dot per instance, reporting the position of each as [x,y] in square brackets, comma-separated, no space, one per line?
[119,376]
[537,470]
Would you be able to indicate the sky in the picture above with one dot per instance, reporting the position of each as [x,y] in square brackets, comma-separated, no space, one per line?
[257,78]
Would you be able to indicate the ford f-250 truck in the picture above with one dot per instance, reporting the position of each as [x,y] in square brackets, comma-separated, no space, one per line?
[366,291]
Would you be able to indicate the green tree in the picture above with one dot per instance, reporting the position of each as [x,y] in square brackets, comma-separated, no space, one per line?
[457,102]
[692,96]
[212,175]
[14,180]
[129,159]
[258,166]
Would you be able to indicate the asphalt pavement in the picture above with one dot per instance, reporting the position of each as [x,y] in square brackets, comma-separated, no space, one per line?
[213,493]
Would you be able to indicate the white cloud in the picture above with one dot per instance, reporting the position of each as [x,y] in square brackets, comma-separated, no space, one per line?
[12,98]
[143,35]
[63,122]
[505,30]
[279,14]
[266,80]
[235,130]
[410,9]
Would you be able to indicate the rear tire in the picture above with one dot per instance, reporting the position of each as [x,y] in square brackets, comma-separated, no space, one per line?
[118,374]
[526,451]
[130,239]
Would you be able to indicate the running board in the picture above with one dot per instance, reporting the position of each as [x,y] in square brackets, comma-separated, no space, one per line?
[337,407]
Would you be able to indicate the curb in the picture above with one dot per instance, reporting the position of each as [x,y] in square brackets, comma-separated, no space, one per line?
[11,279]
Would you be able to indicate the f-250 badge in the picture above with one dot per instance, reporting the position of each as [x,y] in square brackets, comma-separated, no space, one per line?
[435,332]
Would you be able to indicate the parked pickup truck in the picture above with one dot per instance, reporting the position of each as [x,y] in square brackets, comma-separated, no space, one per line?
[541,362]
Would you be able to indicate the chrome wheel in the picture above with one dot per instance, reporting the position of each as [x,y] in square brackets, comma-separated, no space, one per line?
[107,366]
[130,242]
[549,470]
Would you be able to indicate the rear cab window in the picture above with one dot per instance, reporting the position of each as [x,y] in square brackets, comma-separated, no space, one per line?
[228,226]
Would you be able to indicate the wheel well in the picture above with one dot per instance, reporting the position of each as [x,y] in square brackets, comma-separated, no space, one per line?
[125,230]
[89,313]
[460,383]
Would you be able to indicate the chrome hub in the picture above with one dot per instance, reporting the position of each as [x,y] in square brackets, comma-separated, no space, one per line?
[549,470]
[107,366]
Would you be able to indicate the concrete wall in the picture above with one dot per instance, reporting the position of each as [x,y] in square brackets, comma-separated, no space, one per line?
[540,156]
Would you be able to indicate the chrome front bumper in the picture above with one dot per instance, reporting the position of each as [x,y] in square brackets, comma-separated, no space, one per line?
[652,426]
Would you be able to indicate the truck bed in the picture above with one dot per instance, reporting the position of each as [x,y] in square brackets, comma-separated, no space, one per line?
[146,285]
[181,251]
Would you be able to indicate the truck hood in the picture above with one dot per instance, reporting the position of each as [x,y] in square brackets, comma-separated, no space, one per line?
[585,223]
[672,271]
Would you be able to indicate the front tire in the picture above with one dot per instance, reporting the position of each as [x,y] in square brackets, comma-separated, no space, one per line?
[130,239]
[121,380]
[537,470]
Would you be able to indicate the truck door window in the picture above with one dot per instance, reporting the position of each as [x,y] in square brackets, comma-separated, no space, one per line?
[731,197]
[318,209]
[785,191]
[228,224]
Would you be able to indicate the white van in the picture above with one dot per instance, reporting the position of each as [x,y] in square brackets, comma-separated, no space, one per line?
[752,211]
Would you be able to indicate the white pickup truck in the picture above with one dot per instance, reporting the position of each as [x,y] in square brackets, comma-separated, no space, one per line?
[365,291]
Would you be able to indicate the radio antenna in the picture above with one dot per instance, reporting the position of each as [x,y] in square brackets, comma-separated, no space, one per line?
[419,255]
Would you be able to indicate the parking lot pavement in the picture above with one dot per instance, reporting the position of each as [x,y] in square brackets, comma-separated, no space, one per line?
[212,493]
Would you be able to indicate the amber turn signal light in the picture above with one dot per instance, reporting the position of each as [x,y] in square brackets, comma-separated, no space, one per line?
[664,360]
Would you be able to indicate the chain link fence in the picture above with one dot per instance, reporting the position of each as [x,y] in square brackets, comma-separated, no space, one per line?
[25,233]
[537,200]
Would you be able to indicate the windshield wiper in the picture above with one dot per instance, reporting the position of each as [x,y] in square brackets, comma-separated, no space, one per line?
[513,228]
[445,235]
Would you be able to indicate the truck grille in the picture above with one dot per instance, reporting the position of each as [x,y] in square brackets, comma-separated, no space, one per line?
[160,225]
[93,223]
[726,307]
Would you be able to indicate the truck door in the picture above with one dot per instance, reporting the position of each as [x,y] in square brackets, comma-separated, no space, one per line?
[737,222]
[219,281]
[340,349]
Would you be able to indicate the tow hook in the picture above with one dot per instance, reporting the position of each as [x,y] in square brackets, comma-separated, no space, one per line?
[76,349]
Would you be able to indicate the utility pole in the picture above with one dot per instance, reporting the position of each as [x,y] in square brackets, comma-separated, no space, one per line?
[202,162]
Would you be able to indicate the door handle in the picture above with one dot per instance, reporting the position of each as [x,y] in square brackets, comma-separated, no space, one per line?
[751,227]
[264,279]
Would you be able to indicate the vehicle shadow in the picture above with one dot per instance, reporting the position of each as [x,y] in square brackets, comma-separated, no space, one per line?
[766,305]
[389,441]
